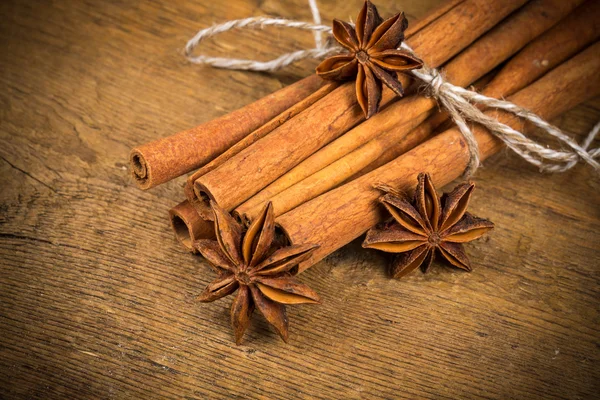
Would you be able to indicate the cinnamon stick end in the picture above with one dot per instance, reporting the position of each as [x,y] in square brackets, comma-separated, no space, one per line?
[188,226]
[140,170]
[202,199]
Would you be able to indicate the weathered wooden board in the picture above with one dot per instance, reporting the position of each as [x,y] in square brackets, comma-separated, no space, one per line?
[97,299]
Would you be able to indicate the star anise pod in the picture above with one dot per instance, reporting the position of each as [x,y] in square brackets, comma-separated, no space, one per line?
[426,226]
[261,272]
[373,56]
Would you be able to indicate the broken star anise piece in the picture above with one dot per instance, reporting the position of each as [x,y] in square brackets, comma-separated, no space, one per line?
[373,56]
[426,226]
[261,273]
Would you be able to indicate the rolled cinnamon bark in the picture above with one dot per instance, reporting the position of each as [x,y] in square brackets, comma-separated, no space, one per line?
[341,215]
[188,226]
[167,158]
[256,135]
[344,157]
[258,165]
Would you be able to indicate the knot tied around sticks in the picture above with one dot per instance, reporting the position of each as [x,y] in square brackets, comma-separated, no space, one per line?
[463,105]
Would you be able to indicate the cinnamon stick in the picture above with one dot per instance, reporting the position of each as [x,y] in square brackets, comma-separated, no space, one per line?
[344,157]
[256,135]
[167,158]
[341,215]
[258,165]
[188,226]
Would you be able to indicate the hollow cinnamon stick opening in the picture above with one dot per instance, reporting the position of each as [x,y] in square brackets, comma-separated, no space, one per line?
[445,157]
[202,198]
[188,226]
[169,157]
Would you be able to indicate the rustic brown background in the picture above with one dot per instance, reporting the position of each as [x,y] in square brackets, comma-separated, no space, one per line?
[96,298]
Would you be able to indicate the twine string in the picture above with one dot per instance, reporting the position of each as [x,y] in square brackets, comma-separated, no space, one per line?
[460,103]
[316,14]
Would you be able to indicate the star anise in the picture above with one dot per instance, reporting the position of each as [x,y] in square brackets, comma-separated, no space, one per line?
[260,271]
[426,226]
[373,56]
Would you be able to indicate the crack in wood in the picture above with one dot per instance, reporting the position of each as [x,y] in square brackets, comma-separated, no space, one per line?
[29,175]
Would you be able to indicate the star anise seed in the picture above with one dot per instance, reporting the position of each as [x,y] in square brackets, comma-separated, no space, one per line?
[373,56]
[262,274]
[426,226]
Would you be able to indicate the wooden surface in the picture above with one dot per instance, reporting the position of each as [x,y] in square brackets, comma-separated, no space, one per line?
[97,299]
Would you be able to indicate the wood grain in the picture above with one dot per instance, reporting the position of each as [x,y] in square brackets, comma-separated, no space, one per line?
[96,296]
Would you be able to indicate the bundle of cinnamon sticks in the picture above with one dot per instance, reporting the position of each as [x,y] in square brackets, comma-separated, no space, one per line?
[308,149]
